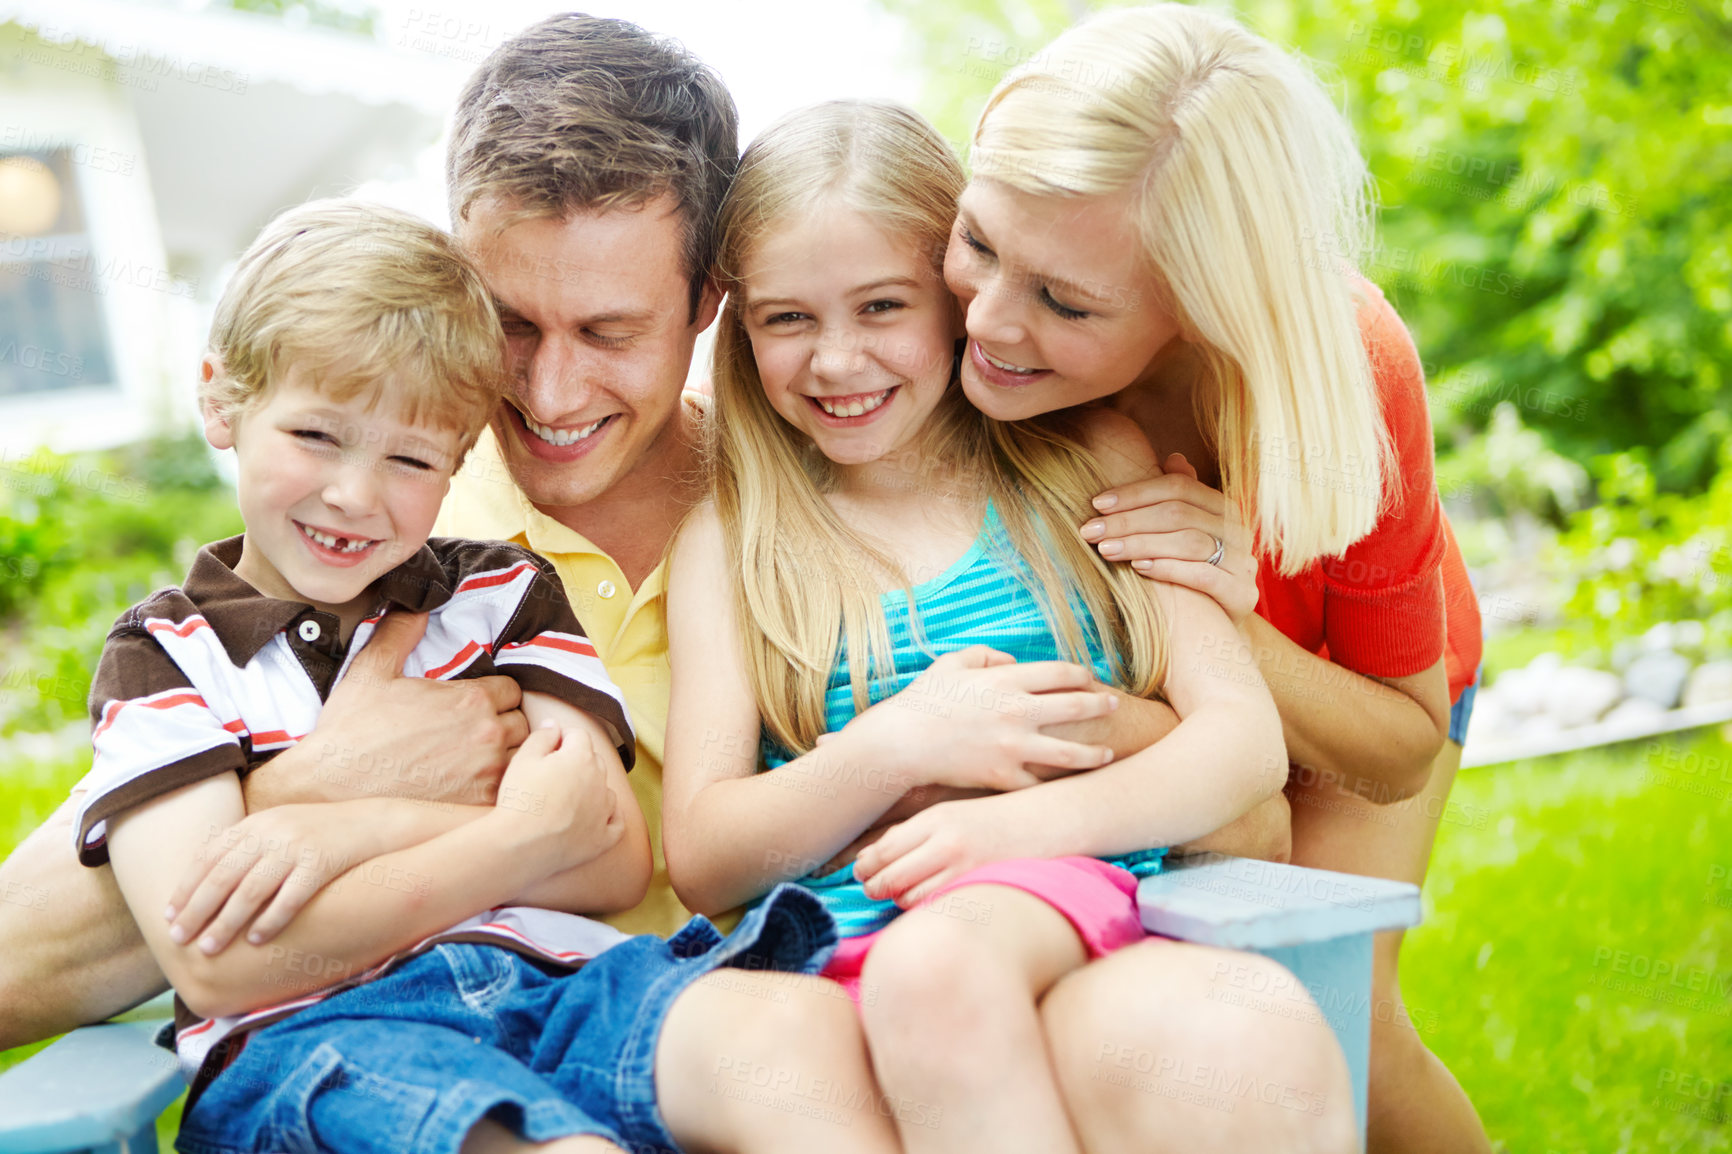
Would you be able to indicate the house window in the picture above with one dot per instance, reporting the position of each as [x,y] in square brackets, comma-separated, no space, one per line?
[52,332]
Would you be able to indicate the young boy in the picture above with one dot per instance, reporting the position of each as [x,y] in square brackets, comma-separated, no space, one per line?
[354,358]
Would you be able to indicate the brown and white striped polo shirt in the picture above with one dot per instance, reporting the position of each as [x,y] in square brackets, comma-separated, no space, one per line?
[213,677]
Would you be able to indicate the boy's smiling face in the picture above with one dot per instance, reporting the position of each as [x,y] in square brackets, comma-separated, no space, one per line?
[335,494]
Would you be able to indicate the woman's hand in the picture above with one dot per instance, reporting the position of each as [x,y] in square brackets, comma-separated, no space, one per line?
[940,844]
[1168,526]
[274,860]
[974,720]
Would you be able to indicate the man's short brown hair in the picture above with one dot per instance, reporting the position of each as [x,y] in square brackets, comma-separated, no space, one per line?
[580,113]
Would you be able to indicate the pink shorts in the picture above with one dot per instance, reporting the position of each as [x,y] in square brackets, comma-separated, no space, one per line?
[1099,900]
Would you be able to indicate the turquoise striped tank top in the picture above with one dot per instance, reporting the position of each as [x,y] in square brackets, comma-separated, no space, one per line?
[985,598]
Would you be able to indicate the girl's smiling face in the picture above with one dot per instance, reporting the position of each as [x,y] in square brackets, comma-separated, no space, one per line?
[1061,308]
[852,329]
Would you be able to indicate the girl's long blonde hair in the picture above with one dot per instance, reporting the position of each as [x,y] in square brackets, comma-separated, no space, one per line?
[806,585]
[1253,204]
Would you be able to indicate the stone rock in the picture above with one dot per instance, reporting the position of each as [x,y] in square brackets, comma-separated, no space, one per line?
[1689,634]
[1661,637]
[1580,696]
[1710,684]
[1625,651]
[1492,719]
[1524,690]
[1658,676]
[1540,727]
[1635,714]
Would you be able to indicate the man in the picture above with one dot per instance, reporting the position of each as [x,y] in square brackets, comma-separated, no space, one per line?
[587,163]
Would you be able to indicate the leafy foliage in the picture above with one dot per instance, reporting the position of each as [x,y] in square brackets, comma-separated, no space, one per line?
[1640,557]
[82,538]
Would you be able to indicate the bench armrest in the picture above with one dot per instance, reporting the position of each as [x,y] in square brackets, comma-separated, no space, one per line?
[1244,904]
[94,1087]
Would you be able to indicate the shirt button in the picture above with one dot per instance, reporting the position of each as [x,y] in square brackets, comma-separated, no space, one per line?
[606,589]
[309,631]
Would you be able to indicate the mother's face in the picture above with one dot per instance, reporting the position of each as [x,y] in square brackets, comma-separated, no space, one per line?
[1060,307]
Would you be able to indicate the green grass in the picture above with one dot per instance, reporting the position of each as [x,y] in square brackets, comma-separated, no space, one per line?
[1584,873]
[1552,878]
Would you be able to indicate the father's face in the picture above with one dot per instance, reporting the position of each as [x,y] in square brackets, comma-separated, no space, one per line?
[596,311]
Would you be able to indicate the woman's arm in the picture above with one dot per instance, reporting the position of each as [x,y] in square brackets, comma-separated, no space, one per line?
[1223,759]
[730,833]
[1124,455]
[1378,736]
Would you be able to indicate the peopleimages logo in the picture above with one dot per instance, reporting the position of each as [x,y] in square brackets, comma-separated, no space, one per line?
[79,268]
[1451,63]
[126,63]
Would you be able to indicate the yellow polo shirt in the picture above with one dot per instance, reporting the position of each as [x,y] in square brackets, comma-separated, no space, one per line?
[628,627]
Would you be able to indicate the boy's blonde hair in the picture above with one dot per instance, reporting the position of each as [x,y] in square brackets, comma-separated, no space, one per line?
[1253,204]
[806,586]
[360,295]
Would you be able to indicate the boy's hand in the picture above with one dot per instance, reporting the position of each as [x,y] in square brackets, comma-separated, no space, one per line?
[974,720]
[944,842]
[274,860]
[557,783]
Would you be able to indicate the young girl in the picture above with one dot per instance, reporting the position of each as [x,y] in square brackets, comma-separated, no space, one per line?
[903,567]
[1169,151]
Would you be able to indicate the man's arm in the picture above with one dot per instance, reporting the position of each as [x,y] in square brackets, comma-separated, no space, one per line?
[255,876]
[70,952]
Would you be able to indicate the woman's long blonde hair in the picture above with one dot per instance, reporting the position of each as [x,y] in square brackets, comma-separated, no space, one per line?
[1254,206]
[806,585]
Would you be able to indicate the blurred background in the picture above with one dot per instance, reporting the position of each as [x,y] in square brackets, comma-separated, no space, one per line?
[1555,228]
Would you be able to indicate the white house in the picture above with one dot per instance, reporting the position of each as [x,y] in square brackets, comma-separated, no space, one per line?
[141,146]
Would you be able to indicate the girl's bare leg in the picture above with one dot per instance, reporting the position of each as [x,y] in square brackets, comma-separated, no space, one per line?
[751,1062]
[489,1137]
[1152,1057]
[1416,1105]
[949,996]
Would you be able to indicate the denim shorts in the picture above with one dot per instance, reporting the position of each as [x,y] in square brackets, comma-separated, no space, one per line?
[414,1059]
[1462,710]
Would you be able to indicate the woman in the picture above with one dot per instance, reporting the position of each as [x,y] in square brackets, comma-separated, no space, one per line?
[1164,219]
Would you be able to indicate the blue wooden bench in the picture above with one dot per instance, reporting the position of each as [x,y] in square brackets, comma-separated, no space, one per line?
[101,1088]
[1317,923]
[98,1089]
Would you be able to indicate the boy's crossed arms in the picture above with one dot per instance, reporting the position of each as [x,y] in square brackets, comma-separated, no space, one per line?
[576,842]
